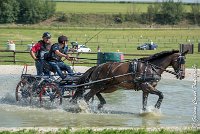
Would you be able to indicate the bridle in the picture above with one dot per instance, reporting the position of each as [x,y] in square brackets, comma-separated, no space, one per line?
[181,65]
[178,71]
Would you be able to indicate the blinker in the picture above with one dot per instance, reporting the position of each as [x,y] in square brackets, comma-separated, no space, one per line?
[181,60]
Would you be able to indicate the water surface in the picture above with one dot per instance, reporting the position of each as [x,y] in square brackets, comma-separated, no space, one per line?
[123,108]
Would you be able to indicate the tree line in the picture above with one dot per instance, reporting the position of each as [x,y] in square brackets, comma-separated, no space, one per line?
[170,12]
[26,11]
[167,12]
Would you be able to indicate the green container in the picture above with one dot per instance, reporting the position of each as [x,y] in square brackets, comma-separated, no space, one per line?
[103,57]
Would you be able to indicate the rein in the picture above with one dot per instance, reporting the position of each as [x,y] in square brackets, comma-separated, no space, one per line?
[155,66]
[101,80]
[118,76]
[168,71]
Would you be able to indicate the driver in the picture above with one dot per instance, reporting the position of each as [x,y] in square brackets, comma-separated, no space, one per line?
[57,51]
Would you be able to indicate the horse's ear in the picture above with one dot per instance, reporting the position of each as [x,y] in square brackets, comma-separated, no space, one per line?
[184,53]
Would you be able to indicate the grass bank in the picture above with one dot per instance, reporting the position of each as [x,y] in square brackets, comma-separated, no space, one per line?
[105,131]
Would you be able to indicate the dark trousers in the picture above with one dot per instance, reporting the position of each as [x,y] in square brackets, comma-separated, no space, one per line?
[39,64]
[59,67]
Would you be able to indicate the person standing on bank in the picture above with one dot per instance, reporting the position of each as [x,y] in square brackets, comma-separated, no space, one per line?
[37,53]
[57,51]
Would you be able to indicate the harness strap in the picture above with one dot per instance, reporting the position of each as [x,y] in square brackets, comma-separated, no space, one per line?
[145,71]
[109,70]
[154,69]
[155,66]
[152,76]
[133,66]
[168,71]
[98,81]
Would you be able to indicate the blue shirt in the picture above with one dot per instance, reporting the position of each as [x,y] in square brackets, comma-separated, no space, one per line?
[54,56]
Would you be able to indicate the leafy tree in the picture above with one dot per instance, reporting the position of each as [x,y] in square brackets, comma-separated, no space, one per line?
[50,8]
[152,11]
[195,13]
[167,12]
[34,11]
[26,11]
[171,12]
[9,10]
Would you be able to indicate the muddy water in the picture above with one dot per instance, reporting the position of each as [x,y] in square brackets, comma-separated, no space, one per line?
[123,109]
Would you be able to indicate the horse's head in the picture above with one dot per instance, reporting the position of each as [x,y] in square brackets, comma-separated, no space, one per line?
[178,63]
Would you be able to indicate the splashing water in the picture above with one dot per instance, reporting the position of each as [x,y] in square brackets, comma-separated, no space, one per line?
[151,111]
[83,106]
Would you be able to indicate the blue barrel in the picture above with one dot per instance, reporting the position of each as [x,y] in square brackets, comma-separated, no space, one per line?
[103,57]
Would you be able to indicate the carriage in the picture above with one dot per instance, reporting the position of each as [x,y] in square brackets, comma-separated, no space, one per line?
[44,88]
[137,74]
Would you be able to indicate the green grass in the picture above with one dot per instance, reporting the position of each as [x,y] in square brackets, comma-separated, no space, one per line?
[106,131]
[109,40]
[104,8]
[100,8]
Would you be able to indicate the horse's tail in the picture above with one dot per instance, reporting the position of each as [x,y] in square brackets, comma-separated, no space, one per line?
[83,79]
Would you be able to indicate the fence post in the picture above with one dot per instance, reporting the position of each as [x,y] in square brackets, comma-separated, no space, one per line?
[14,56]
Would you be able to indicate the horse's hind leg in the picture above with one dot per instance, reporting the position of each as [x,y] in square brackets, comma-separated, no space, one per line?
[78,94]
[89,95]
[101,99]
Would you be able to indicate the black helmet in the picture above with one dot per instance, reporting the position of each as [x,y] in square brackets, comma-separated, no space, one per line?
[46,35]
[62,38]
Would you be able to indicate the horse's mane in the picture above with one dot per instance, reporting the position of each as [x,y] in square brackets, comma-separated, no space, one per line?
[159,55]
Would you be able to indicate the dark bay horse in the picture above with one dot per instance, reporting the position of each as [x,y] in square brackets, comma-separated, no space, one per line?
[142,74]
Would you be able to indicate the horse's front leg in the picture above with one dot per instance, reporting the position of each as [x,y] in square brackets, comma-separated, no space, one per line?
[146,87]
[161,96]
[144,100]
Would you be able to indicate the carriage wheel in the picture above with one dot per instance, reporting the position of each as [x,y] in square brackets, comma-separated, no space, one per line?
[23,92]
[50,93]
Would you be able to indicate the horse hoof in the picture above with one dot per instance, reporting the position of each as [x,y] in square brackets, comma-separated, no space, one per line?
[100,106]
[144,109]
[157,107]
